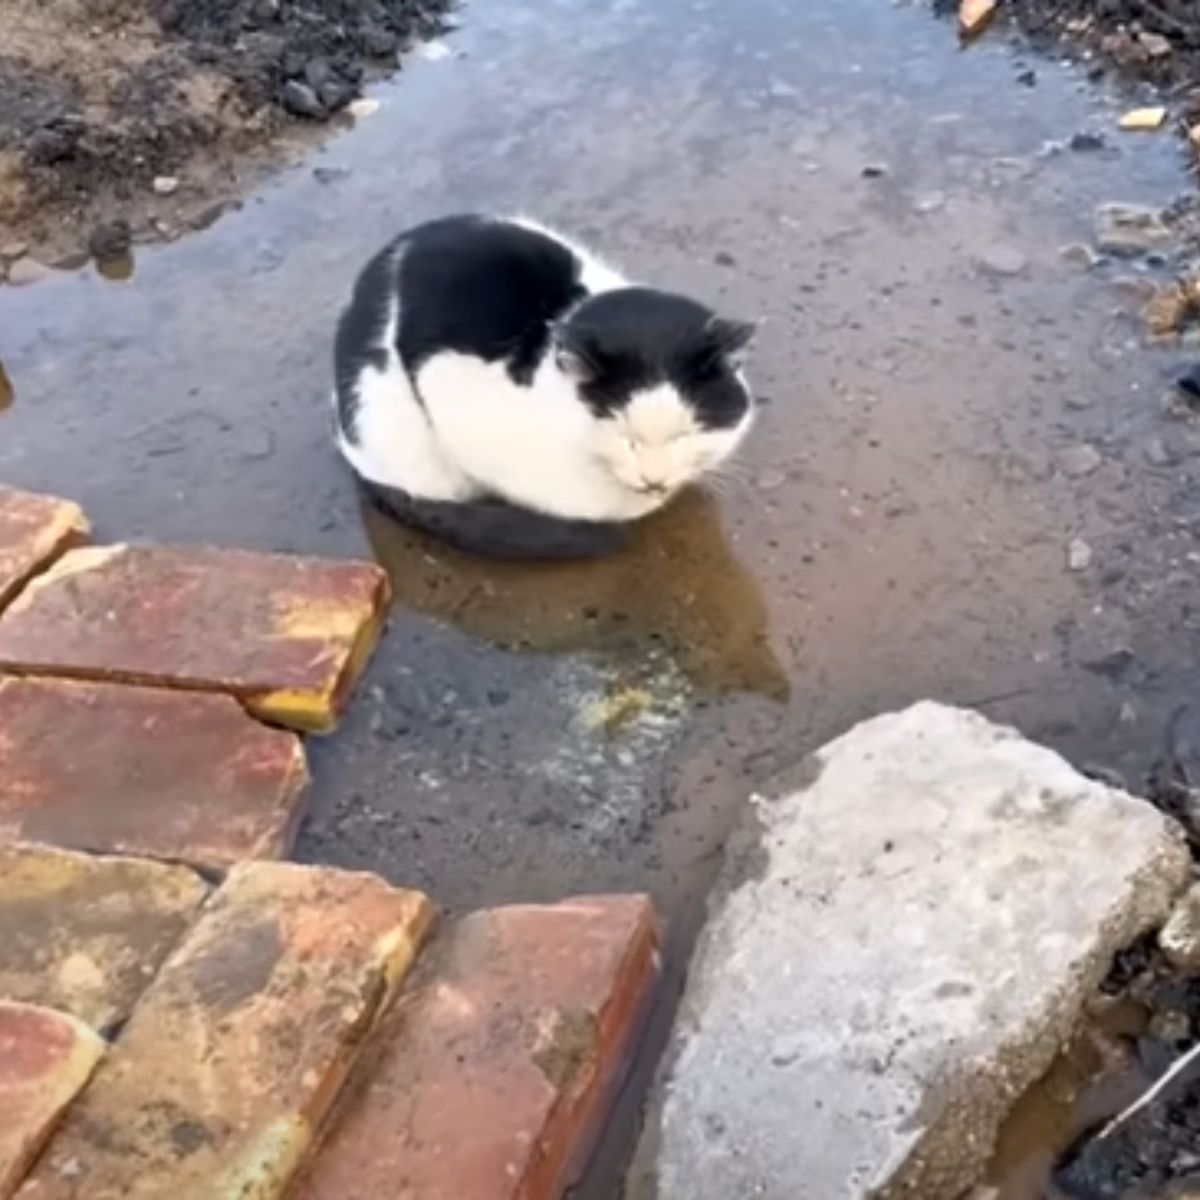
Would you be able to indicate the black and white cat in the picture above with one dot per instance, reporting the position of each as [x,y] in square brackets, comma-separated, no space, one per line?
[503,388]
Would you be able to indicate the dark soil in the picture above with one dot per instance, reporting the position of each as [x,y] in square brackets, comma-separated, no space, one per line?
[1157,1153]
[1146,40]
[146,112]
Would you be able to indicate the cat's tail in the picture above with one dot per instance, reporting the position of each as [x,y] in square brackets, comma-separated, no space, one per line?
[495,529]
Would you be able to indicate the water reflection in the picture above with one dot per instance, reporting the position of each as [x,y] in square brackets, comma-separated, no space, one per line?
[678,583]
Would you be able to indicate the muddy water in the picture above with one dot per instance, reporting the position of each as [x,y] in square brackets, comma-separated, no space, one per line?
[898,528]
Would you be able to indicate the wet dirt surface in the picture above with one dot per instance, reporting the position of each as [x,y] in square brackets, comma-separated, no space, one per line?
[139,118]
[955,409]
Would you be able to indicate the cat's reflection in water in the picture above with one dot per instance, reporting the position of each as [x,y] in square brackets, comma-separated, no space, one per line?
[677,582]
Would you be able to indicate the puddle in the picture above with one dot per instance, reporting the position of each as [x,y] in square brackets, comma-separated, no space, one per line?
[901,527]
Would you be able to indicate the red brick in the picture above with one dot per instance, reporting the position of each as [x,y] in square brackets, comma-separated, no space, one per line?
[45,1058]
[491,1079]
[287,636]
[237,1050]
[86,935]
[34,531]
[112,769]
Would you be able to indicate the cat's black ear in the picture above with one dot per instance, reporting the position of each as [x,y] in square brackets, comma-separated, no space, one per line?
[574,357]
[730,338]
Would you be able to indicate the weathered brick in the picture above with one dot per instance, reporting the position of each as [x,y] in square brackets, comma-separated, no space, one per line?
[237,1050]
[287,636]
[491,1079]
[34,530]
[113,769]
[45,1058]
[86,935]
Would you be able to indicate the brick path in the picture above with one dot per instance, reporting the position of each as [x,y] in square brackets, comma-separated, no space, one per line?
[183,1017]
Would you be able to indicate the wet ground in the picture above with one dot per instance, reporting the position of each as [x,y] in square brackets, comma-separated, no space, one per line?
[901,528]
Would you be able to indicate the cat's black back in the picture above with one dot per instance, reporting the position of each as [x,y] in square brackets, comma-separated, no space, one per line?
[490,289]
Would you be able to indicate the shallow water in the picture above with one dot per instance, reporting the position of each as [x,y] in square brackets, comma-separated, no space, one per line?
[897,529]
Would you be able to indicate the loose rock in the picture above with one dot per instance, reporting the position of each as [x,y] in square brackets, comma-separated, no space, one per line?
[1180,936]
[1079,555]
[110,240]
[1167,311]
[1077,461]
[1079,254]
[974,16]
[1002,260]
[905,865]
[301,101]
[1144,120]
[28,270]
[1130,229]
[165,185]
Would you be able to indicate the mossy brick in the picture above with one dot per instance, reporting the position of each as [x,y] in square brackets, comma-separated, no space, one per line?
[187,777]
[492,1077]
[86,935]
[34,531]
[45,1058]
[287,636]
[235,1053]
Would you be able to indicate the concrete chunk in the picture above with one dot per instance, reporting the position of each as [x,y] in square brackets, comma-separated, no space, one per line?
[45,1058]
[86,935]
[146,771]
[898,949]
[34,531]
[492,1078]
[237,1050]
[287,636]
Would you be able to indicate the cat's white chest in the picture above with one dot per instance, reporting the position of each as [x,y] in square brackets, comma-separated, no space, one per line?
[533,445]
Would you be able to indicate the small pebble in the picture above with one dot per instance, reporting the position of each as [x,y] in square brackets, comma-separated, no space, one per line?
[27,270]
[930,202]
[1002,260]
[11,250]
[364,106]
[165,185]
[1079,555]
[1079,254]
[1158,453]
[874,171]
[301,100]
[1078,461]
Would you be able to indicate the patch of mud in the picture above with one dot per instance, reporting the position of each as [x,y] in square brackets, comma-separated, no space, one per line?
[132,118]
[1157,41]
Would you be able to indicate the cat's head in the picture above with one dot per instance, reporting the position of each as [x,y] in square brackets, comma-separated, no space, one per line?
[662,375]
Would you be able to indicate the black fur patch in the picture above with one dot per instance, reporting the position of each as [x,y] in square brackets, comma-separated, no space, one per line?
[356,344]
[494,529]
[637,338]
[486,288]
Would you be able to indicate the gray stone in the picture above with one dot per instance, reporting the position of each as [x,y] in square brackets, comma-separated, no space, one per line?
[28,270]
[1180,936]
[166,185]
[1080,255]
[1002,260]
[1130,229]
[930,202]
[903,936]
[1079,555]
[1077,461]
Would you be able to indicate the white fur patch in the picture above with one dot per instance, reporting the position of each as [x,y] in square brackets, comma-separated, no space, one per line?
[655,445]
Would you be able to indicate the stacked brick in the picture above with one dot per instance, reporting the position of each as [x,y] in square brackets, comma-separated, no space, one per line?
[184,1016]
